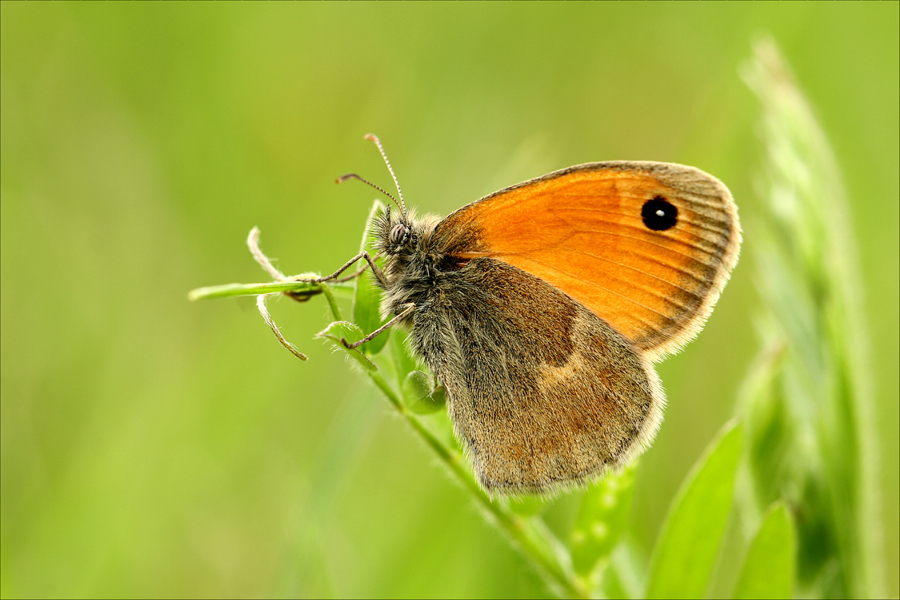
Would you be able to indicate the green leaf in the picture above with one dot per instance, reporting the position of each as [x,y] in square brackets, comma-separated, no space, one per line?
[342,331]
[367,298]
[601,520]
[769,568]
[420,395]
[686,550]
[400,351]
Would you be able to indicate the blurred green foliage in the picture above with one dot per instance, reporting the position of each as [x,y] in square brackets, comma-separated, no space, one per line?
[151,446]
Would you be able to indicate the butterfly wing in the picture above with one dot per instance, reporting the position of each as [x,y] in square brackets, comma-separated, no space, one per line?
[645,246]
[541,391]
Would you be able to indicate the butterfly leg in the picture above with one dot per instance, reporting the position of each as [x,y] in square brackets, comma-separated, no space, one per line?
[408,308]
[304,296]
[334,276]
[266,264]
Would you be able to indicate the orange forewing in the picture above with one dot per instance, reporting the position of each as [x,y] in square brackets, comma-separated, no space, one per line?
[581,230]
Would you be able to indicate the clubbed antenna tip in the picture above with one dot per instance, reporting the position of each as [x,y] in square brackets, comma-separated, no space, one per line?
[344,178]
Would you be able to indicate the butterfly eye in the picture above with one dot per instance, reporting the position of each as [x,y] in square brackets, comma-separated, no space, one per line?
[399,234]
[659,214]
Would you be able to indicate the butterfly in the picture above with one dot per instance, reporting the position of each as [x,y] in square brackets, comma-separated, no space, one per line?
[541,308]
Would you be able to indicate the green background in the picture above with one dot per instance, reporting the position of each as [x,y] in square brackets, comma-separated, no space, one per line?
[155,447]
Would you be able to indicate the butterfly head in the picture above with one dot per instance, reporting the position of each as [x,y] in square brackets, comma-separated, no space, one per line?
[395,233]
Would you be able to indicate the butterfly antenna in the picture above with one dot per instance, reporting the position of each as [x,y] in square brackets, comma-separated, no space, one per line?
[344,178]
[374,138]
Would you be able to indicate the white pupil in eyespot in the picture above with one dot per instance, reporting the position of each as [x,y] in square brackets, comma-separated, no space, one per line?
[660,213]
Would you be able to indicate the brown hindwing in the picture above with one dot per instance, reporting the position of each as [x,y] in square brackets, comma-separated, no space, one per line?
[542,392]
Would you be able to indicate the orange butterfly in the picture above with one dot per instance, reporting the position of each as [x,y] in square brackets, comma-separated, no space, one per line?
[540,308]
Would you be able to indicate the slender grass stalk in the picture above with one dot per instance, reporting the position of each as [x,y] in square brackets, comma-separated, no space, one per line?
[810,417]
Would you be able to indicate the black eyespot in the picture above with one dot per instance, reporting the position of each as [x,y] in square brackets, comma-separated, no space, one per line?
[659,214]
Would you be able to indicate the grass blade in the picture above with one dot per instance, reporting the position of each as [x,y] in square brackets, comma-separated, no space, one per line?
[769,568]
[817,403]
[686,551]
